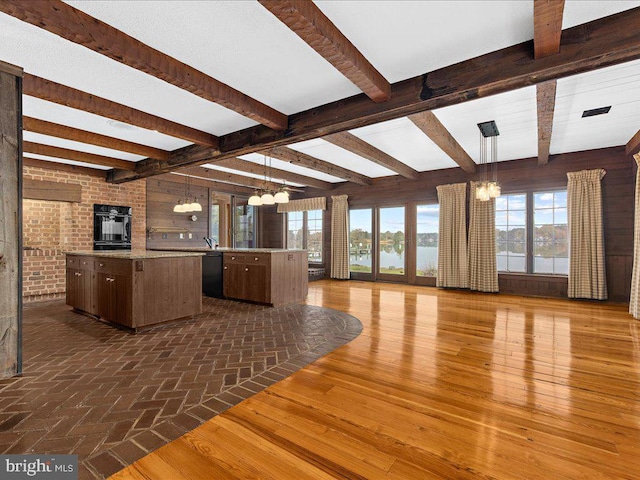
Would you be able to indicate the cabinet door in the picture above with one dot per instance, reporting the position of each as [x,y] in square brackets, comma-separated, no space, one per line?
[120,299]
[72,287]
[103,295]
[233,280]
[255,283]
[84,286]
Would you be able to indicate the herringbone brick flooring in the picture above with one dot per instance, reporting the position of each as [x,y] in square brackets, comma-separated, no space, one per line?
[111,396]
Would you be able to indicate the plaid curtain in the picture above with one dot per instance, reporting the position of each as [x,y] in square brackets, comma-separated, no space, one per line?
[452,237]
[587,277]
[483,269]
[340,237]
[634,302]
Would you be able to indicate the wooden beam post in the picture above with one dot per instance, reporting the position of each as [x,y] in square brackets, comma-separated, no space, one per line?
[547,27]
[633,145]
[10,220]
[437,132]
[307,21]
[76,26]
[356,145]
[546,99]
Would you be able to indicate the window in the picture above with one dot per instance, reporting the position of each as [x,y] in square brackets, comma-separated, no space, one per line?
[532,233]
[550,242]
[314,235]
[360,224]
[295,230]
[304,231]
[427,217]
[511,233]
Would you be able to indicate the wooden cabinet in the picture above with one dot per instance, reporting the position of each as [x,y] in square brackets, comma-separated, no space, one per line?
[275,277]
[80,284]
[135,292]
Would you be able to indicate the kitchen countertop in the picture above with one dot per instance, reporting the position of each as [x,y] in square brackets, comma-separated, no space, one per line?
[136,254]
[232,250]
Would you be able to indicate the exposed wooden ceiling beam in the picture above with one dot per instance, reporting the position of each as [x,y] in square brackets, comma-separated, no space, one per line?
[212,184]
[293,156]
[70,97]
[307,21]
[437,132]
[546,99]
[350,142]
[633,145]
[67,154]
[65,167]
[227,177]
[76,26]
[43,127]
[547,27]
[275,173]
[604,42]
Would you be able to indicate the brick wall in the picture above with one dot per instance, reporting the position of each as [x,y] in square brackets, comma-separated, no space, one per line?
[51,228]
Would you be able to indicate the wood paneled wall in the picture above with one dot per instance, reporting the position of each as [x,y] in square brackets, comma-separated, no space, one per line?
[520,176]
[162,194]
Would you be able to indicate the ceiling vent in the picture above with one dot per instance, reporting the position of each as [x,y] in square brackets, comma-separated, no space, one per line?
[489,129]
[596,111]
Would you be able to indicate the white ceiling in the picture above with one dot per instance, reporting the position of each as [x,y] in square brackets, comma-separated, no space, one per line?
[240,43]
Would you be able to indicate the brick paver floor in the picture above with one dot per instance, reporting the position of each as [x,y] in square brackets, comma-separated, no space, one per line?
[111,396]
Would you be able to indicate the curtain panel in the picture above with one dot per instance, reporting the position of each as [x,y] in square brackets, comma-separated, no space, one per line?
[340,237]
[304,204]
[452,237]
[587,277]
[483,268]
[634,301]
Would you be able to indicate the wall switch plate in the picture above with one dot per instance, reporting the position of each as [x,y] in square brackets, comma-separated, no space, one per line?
[190,235]
[182,235]
[164,236]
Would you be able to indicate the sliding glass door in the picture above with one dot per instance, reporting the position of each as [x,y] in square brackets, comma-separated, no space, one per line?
[391,244]
[361,257]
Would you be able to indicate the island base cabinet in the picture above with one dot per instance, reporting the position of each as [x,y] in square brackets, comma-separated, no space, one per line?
[274,278]
[135,293]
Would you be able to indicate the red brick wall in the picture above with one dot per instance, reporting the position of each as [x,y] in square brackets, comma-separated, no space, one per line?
[50,228]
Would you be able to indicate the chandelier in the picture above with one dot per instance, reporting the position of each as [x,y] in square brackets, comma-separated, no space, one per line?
[266,196]
[489,187]
[189,204]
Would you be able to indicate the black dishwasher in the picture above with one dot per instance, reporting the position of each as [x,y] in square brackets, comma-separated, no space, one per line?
[212,274]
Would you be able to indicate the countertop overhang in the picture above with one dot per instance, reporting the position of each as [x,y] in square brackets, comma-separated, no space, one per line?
[137,254]
[233,250]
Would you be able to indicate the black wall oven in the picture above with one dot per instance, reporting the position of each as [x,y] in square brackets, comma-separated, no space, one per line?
[111,227]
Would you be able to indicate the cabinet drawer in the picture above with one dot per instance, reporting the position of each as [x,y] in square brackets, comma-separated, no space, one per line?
[233,258]
[113,266]
[80,262]
[257,259]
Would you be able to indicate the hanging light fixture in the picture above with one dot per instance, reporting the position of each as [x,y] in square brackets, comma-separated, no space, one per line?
[267,198]
[187,205]
[255,200]
[282,196]
[489,187]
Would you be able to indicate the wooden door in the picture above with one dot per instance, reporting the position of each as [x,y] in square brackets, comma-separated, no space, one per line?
[103,295]
[233,280]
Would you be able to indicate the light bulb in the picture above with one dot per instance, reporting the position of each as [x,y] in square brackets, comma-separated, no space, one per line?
[281,197]
[255,200]
[267,199]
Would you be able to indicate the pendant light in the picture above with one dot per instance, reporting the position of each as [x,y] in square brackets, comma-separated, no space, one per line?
[255,200]
[488,188]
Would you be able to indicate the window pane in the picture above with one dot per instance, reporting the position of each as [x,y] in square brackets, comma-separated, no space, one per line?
[360,240]
[428,217]
[517,263]
[295,234]
[517,218]
[391,241]
[543,217]
[314,235]
[511,233]
[551,247]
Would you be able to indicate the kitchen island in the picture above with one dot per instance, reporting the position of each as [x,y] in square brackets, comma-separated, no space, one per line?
[272,276]
[135,288]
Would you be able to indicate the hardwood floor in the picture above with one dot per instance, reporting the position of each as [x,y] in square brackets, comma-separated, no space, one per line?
[440,384]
